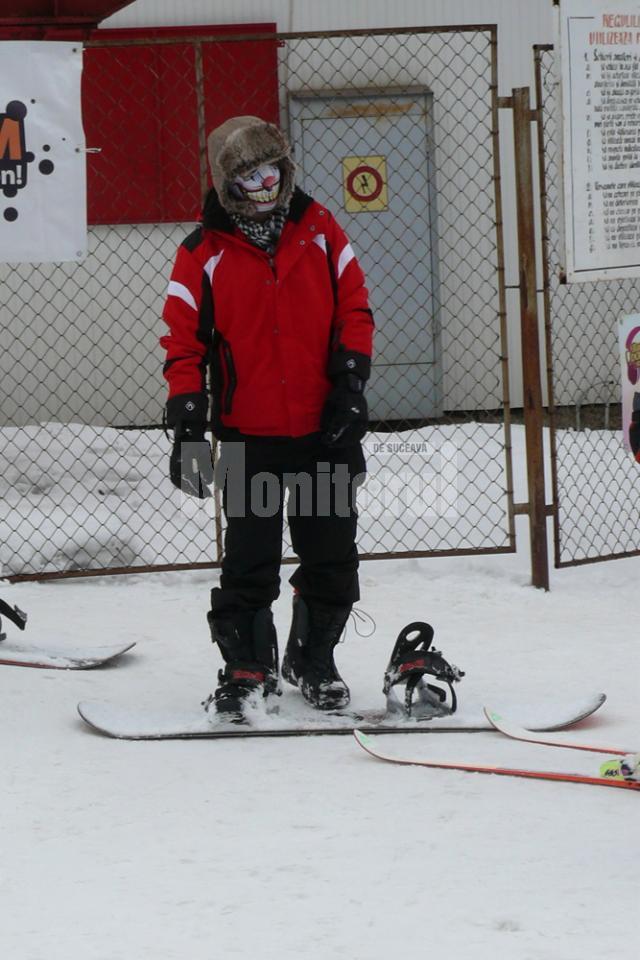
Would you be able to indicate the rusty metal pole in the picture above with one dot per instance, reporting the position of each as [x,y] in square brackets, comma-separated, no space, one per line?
[202,130]
[530,341]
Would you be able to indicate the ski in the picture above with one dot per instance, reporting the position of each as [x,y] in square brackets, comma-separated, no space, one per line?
[627,768]
[516,732]
[368,744]
[295,720]
[49,657]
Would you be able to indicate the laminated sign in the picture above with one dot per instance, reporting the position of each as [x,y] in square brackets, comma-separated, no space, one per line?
[42,153]
[365,184]
[600,81]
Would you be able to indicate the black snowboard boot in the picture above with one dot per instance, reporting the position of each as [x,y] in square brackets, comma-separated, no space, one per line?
[249,647]
[308,660]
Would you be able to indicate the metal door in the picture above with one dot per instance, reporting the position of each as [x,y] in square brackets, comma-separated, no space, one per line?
[367,157]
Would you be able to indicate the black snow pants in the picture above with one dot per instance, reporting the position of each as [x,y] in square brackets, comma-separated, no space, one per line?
[255,475]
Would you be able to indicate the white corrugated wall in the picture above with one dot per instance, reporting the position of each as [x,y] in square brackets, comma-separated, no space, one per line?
[521,24]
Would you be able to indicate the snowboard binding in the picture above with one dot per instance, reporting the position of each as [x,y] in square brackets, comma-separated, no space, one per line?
[427,677]
[15,614]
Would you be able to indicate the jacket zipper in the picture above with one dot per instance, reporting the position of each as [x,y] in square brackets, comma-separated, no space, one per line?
[232,380]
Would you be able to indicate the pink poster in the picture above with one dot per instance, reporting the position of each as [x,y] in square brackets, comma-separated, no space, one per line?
[630,364]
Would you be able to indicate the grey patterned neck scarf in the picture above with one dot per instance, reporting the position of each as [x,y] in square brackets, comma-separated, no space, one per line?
[265,233]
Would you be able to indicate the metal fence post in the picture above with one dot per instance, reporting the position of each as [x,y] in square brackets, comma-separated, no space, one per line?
[530,343]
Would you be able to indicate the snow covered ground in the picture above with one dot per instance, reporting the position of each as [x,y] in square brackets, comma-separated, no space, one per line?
[307,848]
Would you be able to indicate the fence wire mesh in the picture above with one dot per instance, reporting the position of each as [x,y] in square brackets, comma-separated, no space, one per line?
[396,132]
[593,476]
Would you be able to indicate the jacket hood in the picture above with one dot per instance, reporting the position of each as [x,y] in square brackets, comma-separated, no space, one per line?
[237,147]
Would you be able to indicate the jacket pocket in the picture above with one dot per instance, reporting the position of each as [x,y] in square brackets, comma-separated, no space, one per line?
[230,377]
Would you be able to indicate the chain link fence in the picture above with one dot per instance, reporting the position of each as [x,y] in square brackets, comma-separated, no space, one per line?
[594,478]
[397,132]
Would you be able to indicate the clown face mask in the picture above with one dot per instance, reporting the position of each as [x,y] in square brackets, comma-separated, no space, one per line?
[260,187]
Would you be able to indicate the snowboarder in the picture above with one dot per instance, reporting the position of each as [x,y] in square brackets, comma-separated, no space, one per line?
[267,310]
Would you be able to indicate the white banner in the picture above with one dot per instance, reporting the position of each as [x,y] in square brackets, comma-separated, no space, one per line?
[43,202]
[600,74]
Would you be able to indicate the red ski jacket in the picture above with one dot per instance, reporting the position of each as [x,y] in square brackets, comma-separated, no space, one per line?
[268,331]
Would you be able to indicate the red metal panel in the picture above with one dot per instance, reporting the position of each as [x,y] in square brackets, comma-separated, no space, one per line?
[79,10]
[240,78]
[54,19]
[140,108]
[100,9]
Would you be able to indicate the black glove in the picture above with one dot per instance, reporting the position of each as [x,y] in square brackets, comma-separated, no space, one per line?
[191,463]
[634,428]
[345,415]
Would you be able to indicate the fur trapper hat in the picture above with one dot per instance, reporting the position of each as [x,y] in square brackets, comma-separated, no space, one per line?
[237,147]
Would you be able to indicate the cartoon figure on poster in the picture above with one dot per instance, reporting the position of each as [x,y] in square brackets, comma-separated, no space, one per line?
[630,363]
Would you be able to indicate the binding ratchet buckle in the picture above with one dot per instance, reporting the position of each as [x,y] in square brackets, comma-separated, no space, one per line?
[427,677]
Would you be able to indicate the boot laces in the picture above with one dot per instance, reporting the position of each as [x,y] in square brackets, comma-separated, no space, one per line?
[360,617]
[338,633]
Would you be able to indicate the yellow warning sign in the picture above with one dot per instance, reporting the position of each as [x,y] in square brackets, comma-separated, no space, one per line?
[365,184]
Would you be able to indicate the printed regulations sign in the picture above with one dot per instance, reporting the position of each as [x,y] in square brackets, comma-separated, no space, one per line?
[42,153]
[600,83]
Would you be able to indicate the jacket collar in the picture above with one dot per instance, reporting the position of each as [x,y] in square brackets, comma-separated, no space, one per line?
[300,202]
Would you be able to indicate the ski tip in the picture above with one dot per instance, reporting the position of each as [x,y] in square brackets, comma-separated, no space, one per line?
[574,714]
[364,739]
[492,716]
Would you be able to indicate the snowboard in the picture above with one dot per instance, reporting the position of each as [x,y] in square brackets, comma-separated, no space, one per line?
[59,658]
[138,723]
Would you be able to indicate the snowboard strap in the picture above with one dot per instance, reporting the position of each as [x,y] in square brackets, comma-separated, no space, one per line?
[411,662]
[15,614]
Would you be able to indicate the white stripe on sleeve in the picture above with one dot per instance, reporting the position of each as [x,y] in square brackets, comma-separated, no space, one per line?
[321,240]
[211,264]
[345,258]
[183,293]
